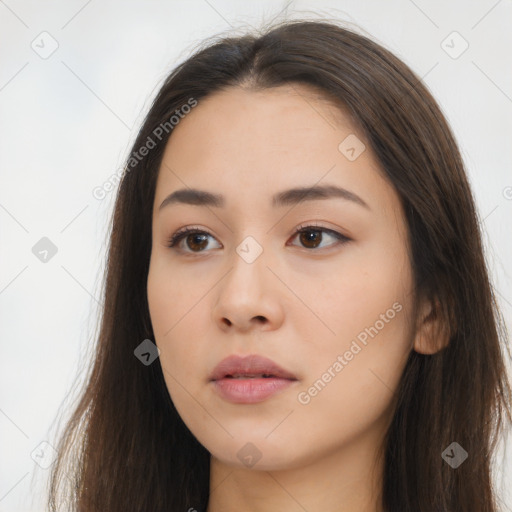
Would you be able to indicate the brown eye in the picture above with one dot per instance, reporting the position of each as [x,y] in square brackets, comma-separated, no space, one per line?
[195,240]
[311,237]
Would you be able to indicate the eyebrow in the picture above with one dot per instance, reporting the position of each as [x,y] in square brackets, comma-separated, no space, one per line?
[289,197]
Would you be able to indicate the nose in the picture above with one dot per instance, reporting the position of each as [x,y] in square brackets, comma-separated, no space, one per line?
[249,297]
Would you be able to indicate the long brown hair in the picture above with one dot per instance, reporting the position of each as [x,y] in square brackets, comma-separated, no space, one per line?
[126,447]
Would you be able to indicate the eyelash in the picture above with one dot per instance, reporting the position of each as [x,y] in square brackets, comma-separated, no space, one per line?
[181,234]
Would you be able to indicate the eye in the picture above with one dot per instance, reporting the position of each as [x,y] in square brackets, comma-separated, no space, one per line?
[311,236]
[195,238]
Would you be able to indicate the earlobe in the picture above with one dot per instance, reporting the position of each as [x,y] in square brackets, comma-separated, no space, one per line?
[432,333]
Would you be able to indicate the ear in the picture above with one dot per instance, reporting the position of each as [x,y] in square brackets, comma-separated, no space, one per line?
[432,333]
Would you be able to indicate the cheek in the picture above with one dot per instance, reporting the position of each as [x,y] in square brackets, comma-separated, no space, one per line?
[355,371]
[178,317]
[362,291]
[168,307]
[351,385]
[172,298]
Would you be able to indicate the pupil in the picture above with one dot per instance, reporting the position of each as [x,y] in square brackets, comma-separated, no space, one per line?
[307,240]
[196,236]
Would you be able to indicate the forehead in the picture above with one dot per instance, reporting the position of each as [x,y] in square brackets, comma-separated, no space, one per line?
[257,142]
[264,121]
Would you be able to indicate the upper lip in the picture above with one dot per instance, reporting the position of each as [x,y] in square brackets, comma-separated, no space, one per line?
[249,365]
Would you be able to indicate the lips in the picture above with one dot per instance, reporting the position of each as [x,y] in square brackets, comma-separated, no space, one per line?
[250,380]
[252,366]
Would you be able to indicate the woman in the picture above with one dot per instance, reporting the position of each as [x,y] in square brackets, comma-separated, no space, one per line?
[298,314]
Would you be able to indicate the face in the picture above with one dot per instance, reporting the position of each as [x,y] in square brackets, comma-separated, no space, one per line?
[320,285]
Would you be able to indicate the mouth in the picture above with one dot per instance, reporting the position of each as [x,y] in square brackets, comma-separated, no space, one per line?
[250,379]
[252,366]
[251,376]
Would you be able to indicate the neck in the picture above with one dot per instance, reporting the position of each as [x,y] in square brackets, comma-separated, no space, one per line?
[348,480]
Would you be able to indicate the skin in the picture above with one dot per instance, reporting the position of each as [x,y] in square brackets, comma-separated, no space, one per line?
[298,305]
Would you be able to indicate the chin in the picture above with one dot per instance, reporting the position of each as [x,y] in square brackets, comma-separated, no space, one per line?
[257,454]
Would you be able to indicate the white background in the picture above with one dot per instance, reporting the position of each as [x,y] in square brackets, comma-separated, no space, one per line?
[67,122]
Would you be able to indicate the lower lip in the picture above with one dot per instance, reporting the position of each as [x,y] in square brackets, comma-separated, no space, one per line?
[250,391]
